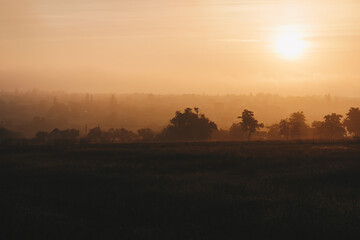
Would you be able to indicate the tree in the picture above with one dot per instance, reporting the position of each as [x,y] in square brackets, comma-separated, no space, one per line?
[236,132]
[295,126]
[331,127]
[298,127]
[95,134]
[249,124]
[7,135]
[146,134]
[196,109]
[274,131]
[352,121]
[319,129]
[42,136]
[188,125]
[57,136]
[124,135]
[284,128]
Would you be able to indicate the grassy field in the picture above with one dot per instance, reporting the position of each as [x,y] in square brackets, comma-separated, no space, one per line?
[259,190]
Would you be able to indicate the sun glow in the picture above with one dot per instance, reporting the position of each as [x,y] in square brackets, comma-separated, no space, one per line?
[289,43]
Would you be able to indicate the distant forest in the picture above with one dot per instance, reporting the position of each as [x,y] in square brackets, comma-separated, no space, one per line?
[53,117]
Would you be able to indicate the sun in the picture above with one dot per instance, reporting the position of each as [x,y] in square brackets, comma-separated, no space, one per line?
[289,43]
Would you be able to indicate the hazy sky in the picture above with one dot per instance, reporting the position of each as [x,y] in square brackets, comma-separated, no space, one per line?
[189,46]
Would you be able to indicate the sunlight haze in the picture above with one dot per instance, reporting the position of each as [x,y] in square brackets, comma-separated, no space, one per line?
[174,47]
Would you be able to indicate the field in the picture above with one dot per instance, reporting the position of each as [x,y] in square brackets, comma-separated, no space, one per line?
[256,190]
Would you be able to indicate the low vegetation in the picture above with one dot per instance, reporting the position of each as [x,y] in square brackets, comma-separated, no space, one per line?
[248,190]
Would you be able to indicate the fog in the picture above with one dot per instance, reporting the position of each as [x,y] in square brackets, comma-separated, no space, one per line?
[32,111]
[166,47]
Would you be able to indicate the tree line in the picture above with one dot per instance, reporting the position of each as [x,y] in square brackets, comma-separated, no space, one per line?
[192,125]
[333,126]
[33,111]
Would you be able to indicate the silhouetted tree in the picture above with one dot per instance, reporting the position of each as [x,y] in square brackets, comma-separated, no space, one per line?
[284,128]
[274,131]
[108,136]
[248,123]
[112,135]
[56,135]
[352,121]
[319,129]
[6,135]
[196,109]
[295,126]
[298,127]
[42,136]
[95,134]
[70,135]
[124,135]
[331,127]
[236,132]
[188,126]
[146,134]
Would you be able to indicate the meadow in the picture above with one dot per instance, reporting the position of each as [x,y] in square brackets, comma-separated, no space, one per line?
[209,190]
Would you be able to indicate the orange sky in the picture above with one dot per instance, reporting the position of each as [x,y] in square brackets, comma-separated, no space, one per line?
[165,46]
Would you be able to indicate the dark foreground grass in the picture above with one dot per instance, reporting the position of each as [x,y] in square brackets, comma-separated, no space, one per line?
[181,191]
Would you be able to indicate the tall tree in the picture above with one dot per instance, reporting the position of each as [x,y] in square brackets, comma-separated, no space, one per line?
[294,127]
[249,123]
[298,127]
[189,125]
[352,121]
[331,127]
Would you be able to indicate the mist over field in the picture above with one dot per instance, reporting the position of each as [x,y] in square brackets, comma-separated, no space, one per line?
[32,111]
[179,120]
